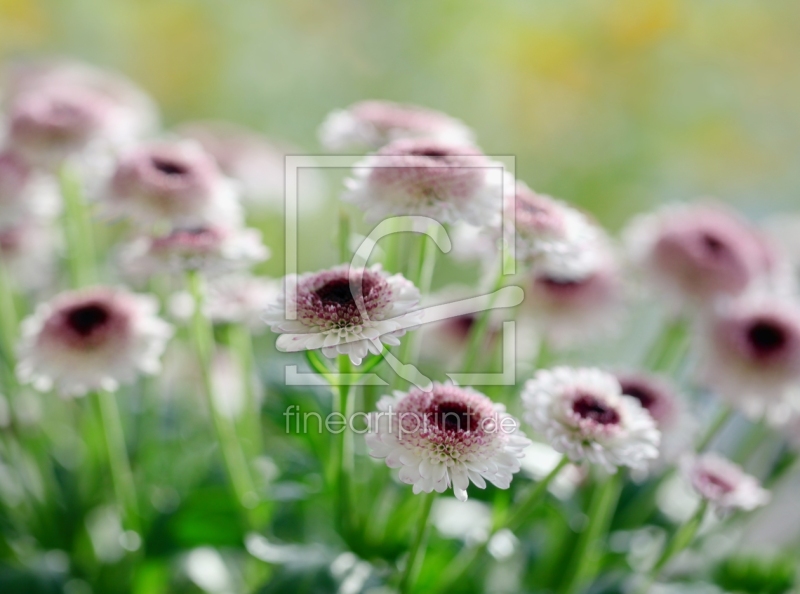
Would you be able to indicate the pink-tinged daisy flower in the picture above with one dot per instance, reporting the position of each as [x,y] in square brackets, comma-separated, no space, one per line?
[584,414]
[212,249]
[60,110]
[28,252]
[171,182]
[332,314]
[572,309]
[24,192]
[658,396]
[450,436]
[369,125]
[696,253]
[446,182]
[240,299]
[750,355]
[254,162]
[724,484]
[550,233]
[92,339]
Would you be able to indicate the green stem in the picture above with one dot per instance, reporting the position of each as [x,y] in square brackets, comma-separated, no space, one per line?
[242,345]
[422,278]
[343,237]
[232,454]
[118,462]
[682,538]
[344,447]
[417,552]
[716,426]
[456,571]
[8,316]
[477,335]
[78,230]
[586,558]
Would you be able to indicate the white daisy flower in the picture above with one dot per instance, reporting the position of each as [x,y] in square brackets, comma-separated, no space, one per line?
[549,233]
[583,414]
[240,299]
[171,182]
[749,352]
[446,182]
[724,484]
[695,253]
[569,310]
[213,249]
[369,125]
[255,163]
[24,192]
[446,437]
[332,314]
[658,397]
[92,339]
[28,252]
[61,109]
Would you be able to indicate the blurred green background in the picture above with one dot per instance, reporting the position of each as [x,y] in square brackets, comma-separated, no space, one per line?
[614,104]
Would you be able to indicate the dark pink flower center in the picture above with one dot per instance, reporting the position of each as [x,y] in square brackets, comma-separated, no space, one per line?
[87,319]
[718,483]
[169,167]
[646,397]
[766,337]
[453,416]
[589,407]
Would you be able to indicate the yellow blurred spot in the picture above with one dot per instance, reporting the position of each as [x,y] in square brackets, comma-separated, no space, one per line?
[636,23]
[23,24]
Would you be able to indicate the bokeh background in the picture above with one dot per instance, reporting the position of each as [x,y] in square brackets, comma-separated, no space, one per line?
[613,104]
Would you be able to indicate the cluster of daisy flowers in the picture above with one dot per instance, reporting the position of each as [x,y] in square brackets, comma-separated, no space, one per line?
[82,146]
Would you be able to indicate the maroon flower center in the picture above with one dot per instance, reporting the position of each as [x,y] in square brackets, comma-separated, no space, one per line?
[636,390]
[85,320]
[766,337]
[718,483]
[336,292]
[589,407]
[713,244]
[454,416]
[169,167]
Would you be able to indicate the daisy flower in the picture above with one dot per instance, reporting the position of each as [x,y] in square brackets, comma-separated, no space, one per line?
[332,314]
[24,193]
[749,352]
[569,310]
[254,162]
[724,484]
[62,110]
[369,125]
[92,339]
[446,182]
[450,436]
[28,252]
[696,253]
[658,397]
[549,232]
[171,182]
[212,249]
[240,299]
[583,414]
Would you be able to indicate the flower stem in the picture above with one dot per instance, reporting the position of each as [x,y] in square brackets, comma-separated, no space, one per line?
[242,345]
[585,560]
[456,571]
[681,539]
[8,319]
[344,448]
[232,454]
[417,551]
[422,277]
[118,462]
[477,335]
[78,230]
